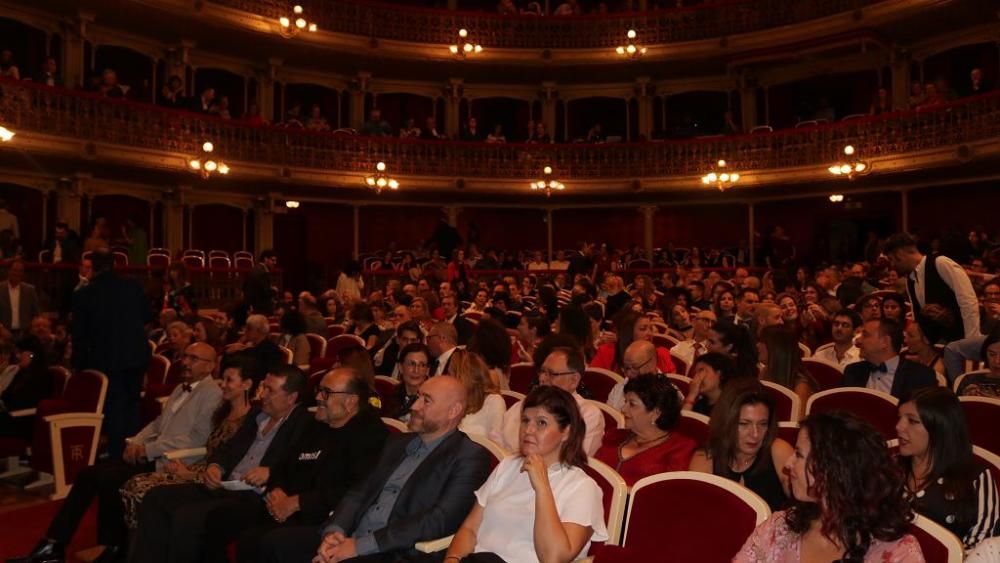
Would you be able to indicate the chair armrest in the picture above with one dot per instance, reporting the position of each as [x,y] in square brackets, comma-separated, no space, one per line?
[163,400]
[23,412]
[433,546]
[186,452]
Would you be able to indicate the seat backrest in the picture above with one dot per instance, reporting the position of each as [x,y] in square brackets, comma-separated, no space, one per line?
[243,263]
[874,406]
[664,341]
[693,504]
[288,354]
[335,330]
[681,382]
[693,425]
[342,343]
[989,459]
[159,367]
[192,261]
[317,345]
[60,378]
[613,418]
[826,374]
[220,262]
[497,453]
[521,377]
[615,496]
[981,416]
[395,426]
[936,542]
[219,253]
[511,398]
[788,431]
[158,260]
[86,391]
[958,380]
[787,405]
[600,382]
[804,351]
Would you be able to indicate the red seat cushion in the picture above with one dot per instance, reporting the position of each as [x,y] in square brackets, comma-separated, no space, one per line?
[879,412]
[599,384]
[933,549]
[981,419]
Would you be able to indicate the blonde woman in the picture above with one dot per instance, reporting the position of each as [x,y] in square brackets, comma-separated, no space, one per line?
[486,407]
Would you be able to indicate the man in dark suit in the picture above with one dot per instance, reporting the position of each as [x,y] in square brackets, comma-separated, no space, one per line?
[387,359]
[172,520]
[464,328]
[257,292]
[109,335]
[421,489]
[265,355]
[442,339]
[884,369]
[63,246]
[335,453]
[18,300]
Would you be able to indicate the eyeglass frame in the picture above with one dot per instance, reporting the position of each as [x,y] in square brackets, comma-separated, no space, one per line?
[326,392]
[630,369]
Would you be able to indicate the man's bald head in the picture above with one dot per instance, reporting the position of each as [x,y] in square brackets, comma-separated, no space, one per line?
[639,359]
[199,361]
[439,409]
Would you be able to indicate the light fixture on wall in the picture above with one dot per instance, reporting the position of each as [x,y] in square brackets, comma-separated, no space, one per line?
[292,204]
[630,49]
[6,134]
[836,198]
[720,177]
[292,25]
[547,183]
[204,164]
[465,46]
[381,179]
[852,165]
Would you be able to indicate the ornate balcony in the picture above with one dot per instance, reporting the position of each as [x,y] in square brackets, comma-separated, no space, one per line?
[115,129]
[705,21]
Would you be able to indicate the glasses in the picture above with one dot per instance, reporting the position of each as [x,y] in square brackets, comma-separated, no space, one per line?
[325,392]
[416,365]
[627,368]
[193,358]
[550,373]
[705,320]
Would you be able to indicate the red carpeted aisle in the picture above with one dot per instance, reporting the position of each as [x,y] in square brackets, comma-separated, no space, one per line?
[21,529]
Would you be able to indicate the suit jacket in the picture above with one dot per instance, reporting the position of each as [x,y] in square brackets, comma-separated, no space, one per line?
[189,427]
[264,357]
[435,499]
[326,462]
[228,455]
[27,389]
[464,328]
[29,306]
[257,292]
[71,250]
[909,377]
[109,332]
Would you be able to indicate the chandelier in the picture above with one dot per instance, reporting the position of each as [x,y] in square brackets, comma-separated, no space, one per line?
[292,204]
[5,134]
[204,165]
[291,26]
[381,179]
[630,49]
[547,183]
[836,198]
[465,47]
[720,178]
[851,167]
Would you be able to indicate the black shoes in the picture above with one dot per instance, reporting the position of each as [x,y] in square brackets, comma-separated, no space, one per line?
[47,551]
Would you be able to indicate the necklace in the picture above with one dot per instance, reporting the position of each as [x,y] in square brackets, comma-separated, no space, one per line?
[640,443]
[742,466]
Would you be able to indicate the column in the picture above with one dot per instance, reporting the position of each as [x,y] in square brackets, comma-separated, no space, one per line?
[900,65]
[644,95]
[752,243]
[549,95]
[356,222]
[265,88]
[453,93]
[548,228]
[748,102]
[173,218]
[767,107]
[359,88]
[452,212]
[244,238]
[264,225]
[71,63]
[904,196]
[69,196]
[648,211]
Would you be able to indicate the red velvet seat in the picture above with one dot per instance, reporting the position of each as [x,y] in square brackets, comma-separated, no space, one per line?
[681,382]
[521,376]
[827,375]
[614,499]
[664,341]
[174,377]
[874,406]
[335,330]
[981,416]
[936,542]
[680,366]
[511,398]
[156,373]
[686,516]
[613,418]
[600,382]
[694,426]
[337,345]
[317,346]
[788,431]
[497,453]
[388,391]
[988,459]
[786,403]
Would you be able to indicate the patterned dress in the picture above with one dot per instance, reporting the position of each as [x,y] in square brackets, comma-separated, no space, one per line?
[136,488]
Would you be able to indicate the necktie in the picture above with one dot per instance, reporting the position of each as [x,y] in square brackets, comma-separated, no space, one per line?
[187,387]
[911,287]
[881,368]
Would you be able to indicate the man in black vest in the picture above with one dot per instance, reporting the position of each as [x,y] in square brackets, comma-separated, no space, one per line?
[938,281]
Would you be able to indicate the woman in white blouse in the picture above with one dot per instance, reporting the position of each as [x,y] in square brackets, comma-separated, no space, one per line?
[538,505]
[486,406]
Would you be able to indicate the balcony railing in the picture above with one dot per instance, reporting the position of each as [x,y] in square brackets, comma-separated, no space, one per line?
[705,21]
[33,108]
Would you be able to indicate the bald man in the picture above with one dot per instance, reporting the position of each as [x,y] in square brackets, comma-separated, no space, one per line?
[639,359]
[421,489]
[185,422]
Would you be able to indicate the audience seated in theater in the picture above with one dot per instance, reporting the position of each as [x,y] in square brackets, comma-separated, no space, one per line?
[363,324]
[881,103]
[985,384]
[204,102]
[531,329]
[430,132]
[679,323]
[725,305]
[410,130]
[849,503]
[173,520]
[697,342]
[894,307]
[237,390]
[55,346]
[710,373]
[316,120]
[648,444]
[977,83]
[809,332]
[414,369]
[617,298]
[420,313]
[781,360]
[471,132]
[109,86]
[742,444]
[293,117]
[172,93]
[63,246]
[733,340]
[8,68]
[485,407]
[463,328]
[746,302]
[334,453]
[179,293]
[497,136]
[920,350]
[491,342]
[842,351]
[539,134]
[640,359]
[884,369]
[869,307]
[315,323]
[381,516]
[332,309]
[387,360]
[179,337]
[630,327]
[18,300]
[256,345]
[442,341]
[29,385]
[943,479]
[293,337]
[375,126]
[563,367]
[537,505]
[186,422]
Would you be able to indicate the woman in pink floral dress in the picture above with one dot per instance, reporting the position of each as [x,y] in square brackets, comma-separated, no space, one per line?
[849,503]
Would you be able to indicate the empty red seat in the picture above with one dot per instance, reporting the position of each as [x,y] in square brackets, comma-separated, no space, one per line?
[600,382]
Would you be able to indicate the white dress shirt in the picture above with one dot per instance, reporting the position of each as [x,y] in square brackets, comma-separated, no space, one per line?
[442,361]
[509,436]
[883,381]
[954,277]
[488,420]
[828,353]
[687,350]
[15,306]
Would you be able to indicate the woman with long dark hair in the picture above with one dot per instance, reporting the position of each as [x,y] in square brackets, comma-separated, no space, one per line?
[630,326]
[575,323]
[849,503]
[944,480]
[710,374]
[733,340]
[778,350]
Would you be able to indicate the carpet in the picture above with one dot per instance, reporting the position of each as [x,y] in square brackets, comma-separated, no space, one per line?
[21,529]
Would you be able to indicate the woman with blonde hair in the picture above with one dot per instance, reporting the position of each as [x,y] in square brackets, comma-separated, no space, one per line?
[486,407]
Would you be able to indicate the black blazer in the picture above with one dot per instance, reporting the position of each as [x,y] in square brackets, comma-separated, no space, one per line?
[257,292]
[228,455]
[434,501]
[108,328]
[326,462]
[909,377]
[464,329]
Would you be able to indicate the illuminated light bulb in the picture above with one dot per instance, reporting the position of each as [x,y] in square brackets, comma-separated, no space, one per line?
[643,50]
[195,164]
[479,48]
[724,177]
[211,165]
[734,177]
[380,182]
[453,49]
[380,167]
[292,204]
[312,27]
[712,177]
[845,169]
[300,23]
[859,167]
[631,34]
[208,147]
[705,180]
[223,169]
[6,134]
[849,150]
[467,47]
[463,33]
[393,185]
[620,50]
[284,21]
[547,170]
[630,49]
[560,186]
[297,9]
[370,181]
[721,163]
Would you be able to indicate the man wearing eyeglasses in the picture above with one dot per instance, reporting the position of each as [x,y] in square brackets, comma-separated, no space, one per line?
[386,360]
[563,368]
[335,452]
[186,422]
[639,359]
[701,328]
